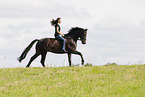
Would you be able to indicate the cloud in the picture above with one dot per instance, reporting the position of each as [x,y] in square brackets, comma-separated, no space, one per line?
[35,9]
[116,40]
[143,22]
[115,28]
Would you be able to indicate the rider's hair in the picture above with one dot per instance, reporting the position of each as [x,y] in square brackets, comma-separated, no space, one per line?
[54,22]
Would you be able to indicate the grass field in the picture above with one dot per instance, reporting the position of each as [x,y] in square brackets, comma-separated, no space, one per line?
[91,81]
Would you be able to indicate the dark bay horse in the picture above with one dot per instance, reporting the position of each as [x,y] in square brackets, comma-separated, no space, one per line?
[52,45]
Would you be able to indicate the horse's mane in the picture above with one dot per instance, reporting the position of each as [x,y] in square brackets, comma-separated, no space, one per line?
[74,29]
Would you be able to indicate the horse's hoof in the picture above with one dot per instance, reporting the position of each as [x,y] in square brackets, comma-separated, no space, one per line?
[82,64]
[27,66]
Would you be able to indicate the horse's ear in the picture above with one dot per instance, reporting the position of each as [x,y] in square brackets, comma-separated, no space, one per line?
[86,29]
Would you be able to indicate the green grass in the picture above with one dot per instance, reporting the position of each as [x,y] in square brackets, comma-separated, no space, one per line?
[92,81]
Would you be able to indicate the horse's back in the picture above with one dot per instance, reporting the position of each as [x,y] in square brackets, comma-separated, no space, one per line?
[49,44]
[46,40]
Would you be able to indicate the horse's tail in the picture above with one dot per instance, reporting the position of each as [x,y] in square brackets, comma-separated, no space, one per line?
[23,55]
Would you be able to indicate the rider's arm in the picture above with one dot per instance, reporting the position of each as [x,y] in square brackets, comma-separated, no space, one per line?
[59,31]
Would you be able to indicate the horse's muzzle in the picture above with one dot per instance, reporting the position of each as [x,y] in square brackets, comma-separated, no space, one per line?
[83,42]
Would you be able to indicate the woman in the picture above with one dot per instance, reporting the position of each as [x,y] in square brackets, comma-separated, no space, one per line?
[58,35]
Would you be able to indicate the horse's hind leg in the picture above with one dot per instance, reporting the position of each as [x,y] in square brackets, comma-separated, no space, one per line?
[32,58]
[43,56]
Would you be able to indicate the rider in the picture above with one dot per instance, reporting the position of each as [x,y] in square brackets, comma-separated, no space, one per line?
[58,35]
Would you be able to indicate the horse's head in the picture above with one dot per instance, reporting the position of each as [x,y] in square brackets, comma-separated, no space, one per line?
[83,36]
[78,34]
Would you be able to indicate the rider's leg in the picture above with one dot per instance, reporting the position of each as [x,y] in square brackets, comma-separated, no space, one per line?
[59,37]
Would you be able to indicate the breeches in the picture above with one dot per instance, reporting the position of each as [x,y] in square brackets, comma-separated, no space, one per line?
[59,37]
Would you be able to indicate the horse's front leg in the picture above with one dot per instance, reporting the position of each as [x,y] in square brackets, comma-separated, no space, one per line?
[69,58]
[79,53]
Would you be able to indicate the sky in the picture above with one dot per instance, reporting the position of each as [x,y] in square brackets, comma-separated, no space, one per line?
[116,30]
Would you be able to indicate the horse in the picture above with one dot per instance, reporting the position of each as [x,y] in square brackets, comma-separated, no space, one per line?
[55,46]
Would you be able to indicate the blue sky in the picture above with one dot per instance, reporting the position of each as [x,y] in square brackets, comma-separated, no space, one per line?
[116,29]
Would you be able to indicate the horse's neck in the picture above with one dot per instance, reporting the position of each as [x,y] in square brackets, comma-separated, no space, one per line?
[73,35]
[75,38]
